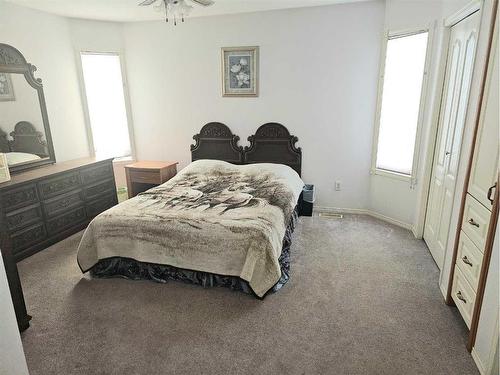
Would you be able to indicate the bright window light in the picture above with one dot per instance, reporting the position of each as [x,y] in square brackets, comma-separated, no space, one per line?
[103,81]
[401,91]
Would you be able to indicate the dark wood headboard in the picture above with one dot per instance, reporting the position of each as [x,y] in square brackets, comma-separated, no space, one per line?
[271,143]
[25,138]
[215,141]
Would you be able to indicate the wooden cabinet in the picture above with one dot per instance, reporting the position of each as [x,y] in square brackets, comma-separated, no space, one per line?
[479,207]
[45,205]
[144,175]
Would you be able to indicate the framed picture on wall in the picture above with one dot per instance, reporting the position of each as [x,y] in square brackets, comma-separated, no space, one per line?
[240,71]
[6,88]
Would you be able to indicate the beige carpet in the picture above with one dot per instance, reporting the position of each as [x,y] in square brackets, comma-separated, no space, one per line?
[363,299]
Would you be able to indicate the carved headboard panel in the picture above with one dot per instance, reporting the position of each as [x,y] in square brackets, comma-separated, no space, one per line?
[25,138]
[216,141]
[272,143]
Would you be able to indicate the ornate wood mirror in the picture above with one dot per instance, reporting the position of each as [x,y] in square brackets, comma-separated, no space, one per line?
[24,125]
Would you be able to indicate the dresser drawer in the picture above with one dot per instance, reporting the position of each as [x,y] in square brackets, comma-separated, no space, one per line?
[27,237]
[66,220]
[19,197]
[145,177]
[469,260]
[94,208]
[96,190]
[463,295]
[57,205]
[97,173]
[58,185]
[476,221]
[24,217]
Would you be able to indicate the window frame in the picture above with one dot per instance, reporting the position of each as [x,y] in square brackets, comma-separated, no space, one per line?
[83,94]
[393,34]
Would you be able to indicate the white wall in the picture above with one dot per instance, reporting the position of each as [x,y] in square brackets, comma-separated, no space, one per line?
[45,41]
[318,76]
[12,359]
[392,197]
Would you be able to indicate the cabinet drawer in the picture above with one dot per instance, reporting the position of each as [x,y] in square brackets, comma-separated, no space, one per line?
[96,190]
[57,185]
[96,173]
[463,295]
[59,204]
[66,220]
[476,221]
[145,177]
[469,260]
[94,208]
[29,236]
[23,217]
[19,197]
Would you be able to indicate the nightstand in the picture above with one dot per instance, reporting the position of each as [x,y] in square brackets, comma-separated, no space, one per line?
[144,175]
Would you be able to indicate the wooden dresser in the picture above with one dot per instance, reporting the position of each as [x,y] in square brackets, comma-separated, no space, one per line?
[43,206]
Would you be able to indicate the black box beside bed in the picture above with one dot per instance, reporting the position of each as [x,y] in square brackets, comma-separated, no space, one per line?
[214,224]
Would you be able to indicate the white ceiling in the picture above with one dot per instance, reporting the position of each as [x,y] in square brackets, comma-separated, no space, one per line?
[127,10]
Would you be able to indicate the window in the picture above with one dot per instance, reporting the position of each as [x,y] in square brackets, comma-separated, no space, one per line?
[107,113]
[399,103]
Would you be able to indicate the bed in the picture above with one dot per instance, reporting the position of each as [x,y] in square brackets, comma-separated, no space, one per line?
[224,220]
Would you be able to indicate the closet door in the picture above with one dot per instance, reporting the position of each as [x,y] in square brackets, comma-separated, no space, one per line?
[460,62]
[484,171]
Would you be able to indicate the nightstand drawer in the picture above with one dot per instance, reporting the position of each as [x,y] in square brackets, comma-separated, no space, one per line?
[145,177]
[469,260]
[476,221]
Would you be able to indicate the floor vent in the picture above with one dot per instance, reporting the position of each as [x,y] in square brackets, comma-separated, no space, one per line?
[330,215]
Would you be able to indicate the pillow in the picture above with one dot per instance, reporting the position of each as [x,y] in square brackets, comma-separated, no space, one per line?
[20,157]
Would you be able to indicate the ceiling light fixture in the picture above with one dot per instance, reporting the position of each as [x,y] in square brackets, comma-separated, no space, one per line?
[176,10]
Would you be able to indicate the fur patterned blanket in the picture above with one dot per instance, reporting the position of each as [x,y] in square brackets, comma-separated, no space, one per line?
[213,216]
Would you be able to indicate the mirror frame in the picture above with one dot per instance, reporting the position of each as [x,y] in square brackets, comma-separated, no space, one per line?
[13,61]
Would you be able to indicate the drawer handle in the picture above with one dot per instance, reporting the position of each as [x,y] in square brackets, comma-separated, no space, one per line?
[466,260]
[490,191]
[460,297]
[472,222]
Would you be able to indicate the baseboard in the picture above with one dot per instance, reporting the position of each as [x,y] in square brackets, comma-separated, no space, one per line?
[479,363]
[362,211]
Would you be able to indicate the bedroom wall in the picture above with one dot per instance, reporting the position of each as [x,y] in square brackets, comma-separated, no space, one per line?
[317,76]
[391,197]
[45,41]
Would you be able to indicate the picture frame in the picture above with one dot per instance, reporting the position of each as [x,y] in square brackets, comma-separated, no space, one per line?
[6,88]
[240,71]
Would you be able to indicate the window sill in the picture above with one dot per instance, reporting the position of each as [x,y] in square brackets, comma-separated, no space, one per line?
[393,175]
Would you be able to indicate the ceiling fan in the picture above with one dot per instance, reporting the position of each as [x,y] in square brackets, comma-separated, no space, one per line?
[176,9]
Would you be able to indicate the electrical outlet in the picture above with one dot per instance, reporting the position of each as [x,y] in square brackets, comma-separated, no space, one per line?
[338,186]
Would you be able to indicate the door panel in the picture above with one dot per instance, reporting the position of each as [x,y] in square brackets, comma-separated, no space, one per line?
[454,102]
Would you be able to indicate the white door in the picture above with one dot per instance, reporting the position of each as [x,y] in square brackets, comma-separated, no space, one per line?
[458,76]
[484,171]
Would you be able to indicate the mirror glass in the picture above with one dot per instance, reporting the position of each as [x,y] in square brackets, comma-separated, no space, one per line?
[22,134]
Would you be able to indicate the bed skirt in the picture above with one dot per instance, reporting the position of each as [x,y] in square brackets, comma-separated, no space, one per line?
[133,270]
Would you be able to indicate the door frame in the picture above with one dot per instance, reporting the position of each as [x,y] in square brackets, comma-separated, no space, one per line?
[448,23]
